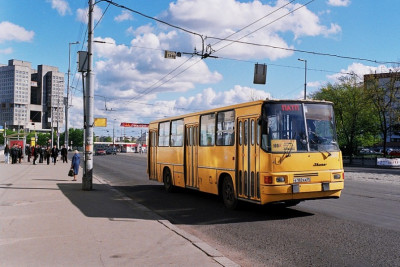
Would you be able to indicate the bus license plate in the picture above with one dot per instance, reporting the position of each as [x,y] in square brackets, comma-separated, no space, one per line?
[301,180]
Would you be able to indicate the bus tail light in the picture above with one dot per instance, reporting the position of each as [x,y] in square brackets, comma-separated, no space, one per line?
[280,179]
[267,179]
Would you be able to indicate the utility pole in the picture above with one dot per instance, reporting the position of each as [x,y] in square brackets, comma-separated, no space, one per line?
[114,134]
[58,119]
[305,77]
[66,141]
[51,123]
[87,179]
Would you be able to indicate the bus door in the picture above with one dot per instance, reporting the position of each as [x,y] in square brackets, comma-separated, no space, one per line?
[191,156]
[247,182]
[152,157]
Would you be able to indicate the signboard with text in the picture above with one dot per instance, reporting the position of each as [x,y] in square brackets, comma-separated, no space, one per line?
[129,124]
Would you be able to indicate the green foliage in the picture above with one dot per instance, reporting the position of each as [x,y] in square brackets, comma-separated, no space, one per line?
[356,119]
[76,137]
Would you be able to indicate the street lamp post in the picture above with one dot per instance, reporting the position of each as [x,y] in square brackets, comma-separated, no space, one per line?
[305,77]
[67,102]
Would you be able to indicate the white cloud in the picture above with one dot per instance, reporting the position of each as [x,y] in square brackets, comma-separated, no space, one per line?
[6,51]
[140,30]
[142,111]
[197,16]
[82,14]
[135,72]
[125,15]
[339,2]
[61,6]
[360,70]
[13,32]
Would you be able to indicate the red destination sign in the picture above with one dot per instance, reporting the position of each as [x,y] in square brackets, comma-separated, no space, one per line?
[294,107]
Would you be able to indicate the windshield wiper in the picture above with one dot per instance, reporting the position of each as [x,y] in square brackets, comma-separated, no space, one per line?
[287,151]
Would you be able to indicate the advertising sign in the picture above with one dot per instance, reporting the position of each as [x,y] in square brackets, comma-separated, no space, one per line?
[129,124]
[388,162]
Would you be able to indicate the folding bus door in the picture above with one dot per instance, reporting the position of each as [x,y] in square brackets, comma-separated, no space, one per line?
[152,156]
[247,182]
[191,155]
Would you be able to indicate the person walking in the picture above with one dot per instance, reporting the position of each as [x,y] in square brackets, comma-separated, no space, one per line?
[64,154]
[54,153]
[35,151]
[40,151]
[14,154]
[48,154]
[20,154]
[76,160]
[6,154]
[28,152]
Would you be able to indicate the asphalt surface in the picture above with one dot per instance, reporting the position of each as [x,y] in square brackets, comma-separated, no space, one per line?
[362,228]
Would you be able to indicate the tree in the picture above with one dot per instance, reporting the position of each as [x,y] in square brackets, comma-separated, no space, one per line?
[383,91]
[355,117]
[76,137]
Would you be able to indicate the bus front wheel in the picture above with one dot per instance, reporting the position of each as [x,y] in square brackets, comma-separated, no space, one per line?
[228,194]
[167,179]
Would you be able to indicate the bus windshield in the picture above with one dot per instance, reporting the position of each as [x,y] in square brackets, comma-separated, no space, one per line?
[298,127]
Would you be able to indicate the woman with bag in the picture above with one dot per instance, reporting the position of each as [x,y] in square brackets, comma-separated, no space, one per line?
[76,160]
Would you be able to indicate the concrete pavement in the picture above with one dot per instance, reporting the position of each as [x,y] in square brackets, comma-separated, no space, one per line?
[48,220]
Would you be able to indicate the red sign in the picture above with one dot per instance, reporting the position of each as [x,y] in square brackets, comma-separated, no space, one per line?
[293,107]
[129,124]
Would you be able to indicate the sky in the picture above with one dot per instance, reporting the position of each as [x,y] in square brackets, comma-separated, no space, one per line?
[135,83]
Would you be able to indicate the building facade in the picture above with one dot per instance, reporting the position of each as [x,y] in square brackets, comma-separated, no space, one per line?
[31,99]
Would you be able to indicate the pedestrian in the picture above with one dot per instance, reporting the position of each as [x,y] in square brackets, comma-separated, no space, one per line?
[35,151]
[76,160]
[41,152]
[28,152]
[6,154]
[20,154]
[48,154]
[14,154]
[64,154]
[54,153]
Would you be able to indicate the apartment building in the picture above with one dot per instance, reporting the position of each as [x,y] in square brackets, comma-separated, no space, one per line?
[31,99]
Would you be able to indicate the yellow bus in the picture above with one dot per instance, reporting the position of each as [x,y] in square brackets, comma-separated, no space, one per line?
[263,152]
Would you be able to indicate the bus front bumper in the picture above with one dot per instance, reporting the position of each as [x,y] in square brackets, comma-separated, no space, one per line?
[271,193]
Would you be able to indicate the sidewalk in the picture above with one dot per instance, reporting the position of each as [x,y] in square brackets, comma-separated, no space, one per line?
[48,220]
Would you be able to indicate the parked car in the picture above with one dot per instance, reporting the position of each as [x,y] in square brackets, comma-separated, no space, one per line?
[111,151]
[394,152]
[100,152]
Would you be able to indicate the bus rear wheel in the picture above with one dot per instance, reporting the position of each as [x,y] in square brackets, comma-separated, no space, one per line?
[167,179]
[228,194]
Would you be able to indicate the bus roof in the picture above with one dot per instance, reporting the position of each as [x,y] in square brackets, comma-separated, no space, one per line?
[241,105]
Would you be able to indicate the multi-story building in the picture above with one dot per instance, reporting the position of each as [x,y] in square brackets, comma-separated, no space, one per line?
[31,99]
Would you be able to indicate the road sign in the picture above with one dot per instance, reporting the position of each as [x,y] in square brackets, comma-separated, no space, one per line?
[170,54]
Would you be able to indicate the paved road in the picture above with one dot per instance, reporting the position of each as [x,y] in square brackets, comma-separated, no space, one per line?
[362,228]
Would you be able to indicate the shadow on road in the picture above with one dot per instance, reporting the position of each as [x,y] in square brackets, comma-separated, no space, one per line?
[191,207]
